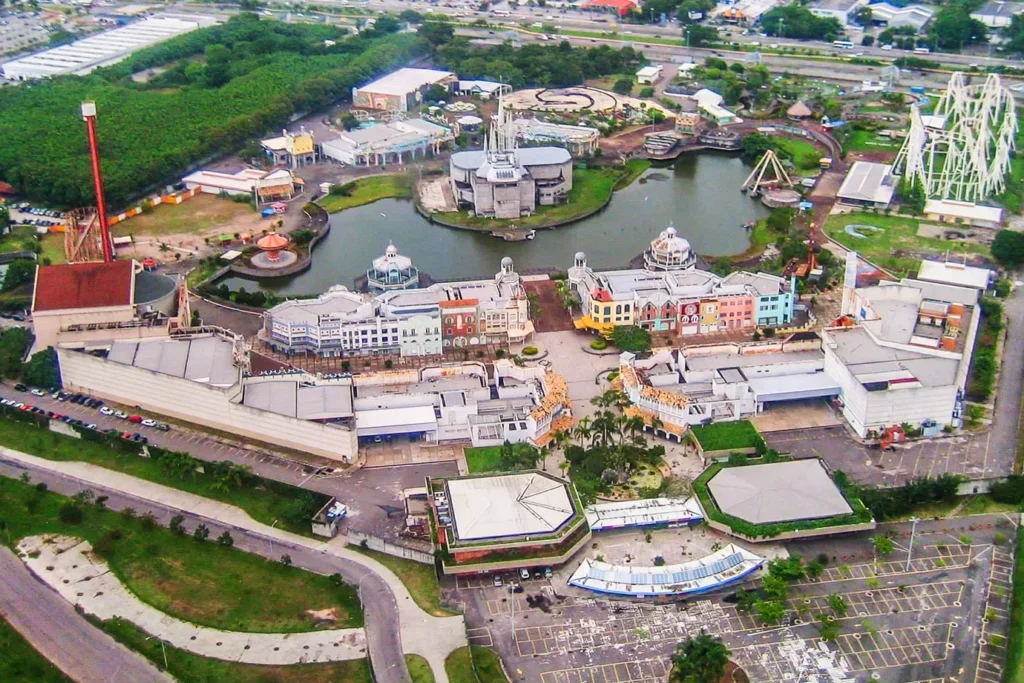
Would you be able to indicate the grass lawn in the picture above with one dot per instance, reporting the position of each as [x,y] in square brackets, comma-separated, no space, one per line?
[419,669]
[198,581]
[804,154]
[202,213]
[870,141]
[634,167]
[20,238]
[419,579]
[483,458]
[367,190]
[20,663]
[185,666]
[273,501]
[972,505]
[899,233]
[1014,672]
[53,247]
[721,436]
[591,188]
[488,666]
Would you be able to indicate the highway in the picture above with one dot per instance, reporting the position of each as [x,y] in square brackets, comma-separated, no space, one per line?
[49,622]
[379,607]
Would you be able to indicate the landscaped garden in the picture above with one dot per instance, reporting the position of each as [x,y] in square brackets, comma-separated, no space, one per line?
[367,190]
[265,500]
[726,436]
[895,234]
[419,669]
[185,572]
[482,666]
[508,457]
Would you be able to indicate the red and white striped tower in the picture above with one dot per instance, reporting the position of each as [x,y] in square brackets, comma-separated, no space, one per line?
[89,114]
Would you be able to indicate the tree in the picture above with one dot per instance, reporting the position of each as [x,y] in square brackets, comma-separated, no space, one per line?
[796,21]
[436,33]
[838,605]
[631,338]
[699,660]
[756,144]
[774,587]
[177,524]
[867,41]
[41,369]
[769,611]
[953,27]
[147,521]
[71,513]
[348,122]
[225,540]
[863,16]
[623,86]
[780,219]
[700,35]
[1008,247]
[201,533]
[815,569]
[5,216]
[828,628]
[18,273]
[788,569]
[883,545]
[410,16]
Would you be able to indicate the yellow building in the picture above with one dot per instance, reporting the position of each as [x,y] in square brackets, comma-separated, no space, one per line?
[709,315]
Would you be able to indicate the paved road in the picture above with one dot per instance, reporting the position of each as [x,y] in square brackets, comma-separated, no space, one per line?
[379,606]
[372,495]
[51,625]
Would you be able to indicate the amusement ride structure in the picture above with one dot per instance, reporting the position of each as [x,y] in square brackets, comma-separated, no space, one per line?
[86,232]
[962,150]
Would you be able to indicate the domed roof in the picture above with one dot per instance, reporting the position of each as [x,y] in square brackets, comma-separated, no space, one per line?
[670,245]
[580,256]
[507,261]
[392,260]
[272,240]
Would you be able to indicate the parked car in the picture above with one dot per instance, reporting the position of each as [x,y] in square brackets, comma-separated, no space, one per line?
[121,414]
[524,574]
[497,581]
[20,387]
[92,425]
[106,411]
[149,423]
[127,436]
[547,572]
[38,392]
[163,427]
[135,419]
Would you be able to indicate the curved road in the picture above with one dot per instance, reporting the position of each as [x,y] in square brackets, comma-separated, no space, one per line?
[379,607]
[51,625]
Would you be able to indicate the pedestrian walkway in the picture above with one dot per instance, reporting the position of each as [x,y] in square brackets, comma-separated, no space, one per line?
[421,633]
[68,566]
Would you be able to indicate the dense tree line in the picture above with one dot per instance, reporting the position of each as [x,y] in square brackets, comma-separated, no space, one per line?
[535,65]
[796,21]
[149,134]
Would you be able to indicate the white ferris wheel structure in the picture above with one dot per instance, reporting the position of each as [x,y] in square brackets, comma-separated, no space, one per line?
[962,150]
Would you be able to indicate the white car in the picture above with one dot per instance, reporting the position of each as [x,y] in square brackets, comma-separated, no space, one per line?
[121,414]
[106,411]
[38,392]
[887,47]
[149,423]
[524,574]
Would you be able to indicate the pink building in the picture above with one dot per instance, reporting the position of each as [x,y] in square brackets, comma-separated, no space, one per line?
[736,312]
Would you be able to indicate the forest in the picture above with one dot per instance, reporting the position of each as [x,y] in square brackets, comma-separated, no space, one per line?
[216,88]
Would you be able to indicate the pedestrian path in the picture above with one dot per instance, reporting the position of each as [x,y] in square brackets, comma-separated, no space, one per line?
[68,566]
[422,634]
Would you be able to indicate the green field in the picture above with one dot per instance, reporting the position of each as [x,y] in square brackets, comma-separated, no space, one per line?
[870,141]
[367,190]
[419,579]
[488,667]
[202,213]
[483,459]
[20,238]
[20,663]
[273,502]
[722,436]
[898,233]
[419,669]
[185,666]
[805,155]
[198,581]
[591,188]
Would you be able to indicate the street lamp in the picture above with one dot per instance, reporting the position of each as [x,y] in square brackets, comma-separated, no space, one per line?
[271,540]
[910,548]
[162,648]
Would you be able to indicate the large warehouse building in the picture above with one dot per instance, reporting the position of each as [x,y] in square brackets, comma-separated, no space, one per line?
[102,49]
[401,90]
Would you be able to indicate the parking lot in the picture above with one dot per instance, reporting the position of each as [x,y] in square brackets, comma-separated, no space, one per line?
[20,31]
[940,616]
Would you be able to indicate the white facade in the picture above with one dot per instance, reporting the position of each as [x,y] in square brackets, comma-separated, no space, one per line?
[997,14]
[649,75]
[915,16]
[842,10]
[398,141]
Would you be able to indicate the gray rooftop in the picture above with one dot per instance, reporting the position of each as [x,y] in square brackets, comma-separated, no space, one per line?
[835,5]
[336,303]
[778,492]
[868,181]
[437,386]
[206,359]
[868,361]
[305,402]
[999,9]
[528,156]
[731,360]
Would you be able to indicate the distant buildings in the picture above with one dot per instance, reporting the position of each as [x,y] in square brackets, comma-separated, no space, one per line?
[383,143]
[102,49]
[868,184]
[403,320]
[506,181]
[290,149]
[485,90]
[997,14]
[401,90]
[963,213]
[914,16]
[579,140]
[649,75]
[619,7]
[842,10]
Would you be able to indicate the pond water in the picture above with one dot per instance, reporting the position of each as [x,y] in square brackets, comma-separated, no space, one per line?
[699,194]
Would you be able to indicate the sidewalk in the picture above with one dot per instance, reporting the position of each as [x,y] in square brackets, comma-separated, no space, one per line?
[68,567]
[421,633]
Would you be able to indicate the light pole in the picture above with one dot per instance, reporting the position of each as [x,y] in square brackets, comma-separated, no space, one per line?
[512,601]
[270,539]
[910,548]
[163,649]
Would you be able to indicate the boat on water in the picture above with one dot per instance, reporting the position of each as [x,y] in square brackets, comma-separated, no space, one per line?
[531,235]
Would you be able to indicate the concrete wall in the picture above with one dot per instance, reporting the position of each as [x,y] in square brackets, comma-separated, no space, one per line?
[47,324]
[200,404]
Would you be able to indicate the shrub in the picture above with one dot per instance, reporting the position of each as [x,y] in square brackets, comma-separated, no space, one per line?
[530,351]
[225,540]
[201,533]
[177,524]
[70,513]
[286,560]
[499,353]
[599,344]
[147,521]
[659,561]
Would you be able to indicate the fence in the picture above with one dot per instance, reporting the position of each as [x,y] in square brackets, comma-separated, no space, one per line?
[389,548]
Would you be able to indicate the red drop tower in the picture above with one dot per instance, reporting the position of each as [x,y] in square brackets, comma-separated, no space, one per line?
[87,236]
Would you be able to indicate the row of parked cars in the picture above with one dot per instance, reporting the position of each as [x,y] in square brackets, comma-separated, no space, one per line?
[95,403]
[74,421]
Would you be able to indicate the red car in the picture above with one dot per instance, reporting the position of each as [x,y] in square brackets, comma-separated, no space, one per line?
[26,407]
[127,435]
[135,418]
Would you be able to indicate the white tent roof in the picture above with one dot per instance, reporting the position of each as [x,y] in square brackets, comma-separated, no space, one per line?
[508,505]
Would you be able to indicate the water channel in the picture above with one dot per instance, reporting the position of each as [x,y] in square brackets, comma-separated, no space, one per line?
[699,194]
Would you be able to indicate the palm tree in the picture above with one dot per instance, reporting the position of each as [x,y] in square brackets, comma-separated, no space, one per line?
[582,431]
[699,660]
[635,427]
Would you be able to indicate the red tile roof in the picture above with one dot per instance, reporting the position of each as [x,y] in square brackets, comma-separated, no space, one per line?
[459,303]
[83,285]
[623,6]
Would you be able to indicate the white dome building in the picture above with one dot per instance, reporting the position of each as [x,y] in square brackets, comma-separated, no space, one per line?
[392,271]
[669,251]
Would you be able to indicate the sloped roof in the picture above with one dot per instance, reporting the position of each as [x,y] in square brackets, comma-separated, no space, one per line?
[508,505]
[778,492]
[84,285]
[799,109]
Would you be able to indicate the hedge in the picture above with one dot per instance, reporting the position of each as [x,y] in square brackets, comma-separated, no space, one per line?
[723,436]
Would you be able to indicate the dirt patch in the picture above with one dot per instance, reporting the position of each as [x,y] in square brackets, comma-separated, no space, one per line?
[553,316]
[323,617]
